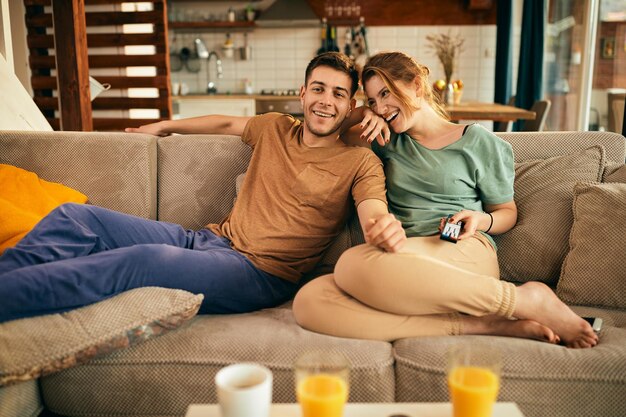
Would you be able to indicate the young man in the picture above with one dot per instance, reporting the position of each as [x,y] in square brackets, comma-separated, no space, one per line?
[299,190]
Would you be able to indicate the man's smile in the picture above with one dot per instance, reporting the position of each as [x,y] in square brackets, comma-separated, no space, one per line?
[323,114]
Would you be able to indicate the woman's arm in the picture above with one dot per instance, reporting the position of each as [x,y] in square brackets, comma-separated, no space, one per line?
[504,218]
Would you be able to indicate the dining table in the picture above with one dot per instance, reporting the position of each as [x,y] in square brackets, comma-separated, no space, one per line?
[475,110]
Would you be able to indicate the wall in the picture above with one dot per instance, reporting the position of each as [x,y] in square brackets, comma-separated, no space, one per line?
[280,56]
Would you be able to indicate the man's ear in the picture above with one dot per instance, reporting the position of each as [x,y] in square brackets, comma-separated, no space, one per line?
[352,104]
[302,90]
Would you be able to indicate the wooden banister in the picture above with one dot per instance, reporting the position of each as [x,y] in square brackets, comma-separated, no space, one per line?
[70,43]
[110,111]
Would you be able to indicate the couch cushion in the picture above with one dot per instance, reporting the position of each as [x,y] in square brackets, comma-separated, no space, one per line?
[593,272]
[543,379]
[167,374]
[614,173]
[534,249]
[115,170]
[20,400]
[38,346]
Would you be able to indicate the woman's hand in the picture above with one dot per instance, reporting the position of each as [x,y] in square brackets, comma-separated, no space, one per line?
[374,127]
[472,221]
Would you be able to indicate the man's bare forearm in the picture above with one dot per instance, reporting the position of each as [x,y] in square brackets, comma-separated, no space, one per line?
[210,124]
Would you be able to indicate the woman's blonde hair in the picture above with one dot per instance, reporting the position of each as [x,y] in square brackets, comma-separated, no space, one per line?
[398,66]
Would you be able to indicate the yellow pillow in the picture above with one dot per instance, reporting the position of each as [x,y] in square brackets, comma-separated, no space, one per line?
[25,199]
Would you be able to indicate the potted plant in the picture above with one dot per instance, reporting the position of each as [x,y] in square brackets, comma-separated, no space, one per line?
[447,48]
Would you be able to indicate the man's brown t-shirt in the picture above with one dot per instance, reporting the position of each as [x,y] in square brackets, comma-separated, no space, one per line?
[295,199]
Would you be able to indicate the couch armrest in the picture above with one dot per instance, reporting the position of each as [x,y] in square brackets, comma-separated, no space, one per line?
[115,170]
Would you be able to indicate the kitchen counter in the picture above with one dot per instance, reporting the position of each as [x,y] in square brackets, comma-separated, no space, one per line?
[202,96]
[233,97]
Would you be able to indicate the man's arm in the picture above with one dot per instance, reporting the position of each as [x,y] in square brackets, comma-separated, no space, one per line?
[211,124]
[362,126]
[380,227]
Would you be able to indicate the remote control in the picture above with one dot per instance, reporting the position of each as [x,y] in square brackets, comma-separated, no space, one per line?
[451,231]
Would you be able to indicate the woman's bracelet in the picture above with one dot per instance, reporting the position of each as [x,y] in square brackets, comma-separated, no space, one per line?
[490,223]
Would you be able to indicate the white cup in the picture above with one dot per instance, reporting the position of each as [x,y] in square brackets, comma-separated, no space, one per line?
[244,390]
[95,87]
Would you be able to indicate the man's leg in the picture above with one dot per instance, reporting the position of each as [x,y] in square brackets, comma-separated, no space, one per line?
[74,230]
[229,282]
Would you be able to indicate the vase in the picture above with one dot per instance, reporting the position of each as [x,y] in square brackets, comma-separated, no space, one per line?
[448,94]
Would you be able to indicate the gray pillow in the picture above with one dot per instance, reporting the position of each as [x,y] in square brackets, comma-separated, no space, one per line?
[38,346]
[535,248]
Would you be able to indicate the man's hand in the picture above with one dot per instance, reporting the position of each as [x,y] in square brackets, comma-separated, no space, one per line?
[385,232]
[374,127]
[156,129]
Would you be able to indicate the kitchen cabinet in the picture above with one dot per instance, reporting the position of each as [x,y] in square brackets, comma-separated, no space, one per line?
[190,106]
[237,25]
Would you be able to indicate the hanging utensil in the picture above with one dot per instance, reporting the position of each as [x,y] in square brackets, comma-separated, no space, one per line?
[363,31]
[322,48]
[333,39]
[347,48]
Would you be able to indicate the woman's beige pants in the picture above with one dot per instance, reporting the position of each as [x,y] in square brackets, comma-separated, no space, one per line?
[420,291]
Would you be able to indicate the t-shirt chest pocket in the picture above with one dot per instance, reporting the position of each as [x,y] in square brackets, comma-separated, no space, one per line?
[313,186]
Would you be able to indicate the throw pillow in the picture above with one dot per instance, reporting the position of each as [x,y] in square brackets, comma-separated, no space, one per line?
[593,272]
[38,346]
[25,199]
[615,173]
[535,248]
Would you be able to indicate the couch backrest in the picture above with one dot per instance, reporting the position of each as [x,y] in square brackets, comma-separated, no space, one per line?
[115,170]
[542,145]
[197,174]
[196,177]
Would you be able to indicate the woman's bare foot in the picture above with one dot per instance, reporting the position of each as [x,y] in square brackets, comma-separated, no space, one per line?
[500,326]
[536,301]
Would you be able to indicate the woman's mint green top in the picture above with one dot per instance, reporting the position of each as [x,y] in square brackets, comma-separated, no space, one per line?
[424,185]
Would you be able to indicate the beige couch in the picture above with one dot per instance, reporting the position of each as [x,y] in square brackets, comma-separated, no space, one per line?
[191,180]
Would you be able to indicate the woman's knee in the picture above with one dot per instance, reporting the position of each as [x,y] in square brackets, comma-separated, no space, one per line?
[308,304]
[357,266]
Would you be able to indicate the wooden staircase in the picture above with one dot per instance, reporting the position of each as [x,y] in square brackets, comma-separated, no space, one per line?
[108,61]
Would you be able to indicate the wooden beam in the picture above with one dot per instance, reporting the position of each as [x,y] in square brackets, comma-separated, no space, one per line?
[96,40]
[117,82]
[103,61]
[100,18]
[112,103]
[70,44]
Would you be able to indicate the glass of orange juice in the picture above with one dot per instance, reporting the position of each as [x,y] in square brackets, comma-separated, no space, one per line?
[322,383]
[473,379]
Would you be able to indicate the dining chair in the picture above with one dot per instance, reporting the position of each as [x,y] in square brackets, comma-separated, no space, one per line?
[616,111]
[505,126]
[541,109]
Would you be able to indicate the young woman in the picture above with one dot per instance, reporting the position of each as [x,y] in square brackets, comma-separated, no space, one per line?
[424,286]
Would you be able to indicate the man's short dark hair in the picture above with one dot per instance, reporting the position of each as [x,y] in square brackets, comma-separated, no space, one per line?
[336,60]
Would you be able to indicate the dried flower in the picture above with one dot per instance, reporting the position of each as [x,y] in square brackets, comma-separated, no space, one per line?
[447,48]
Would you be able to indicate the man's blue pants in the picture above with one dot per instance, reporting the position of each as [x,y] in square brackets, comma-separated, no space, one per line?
[81,254]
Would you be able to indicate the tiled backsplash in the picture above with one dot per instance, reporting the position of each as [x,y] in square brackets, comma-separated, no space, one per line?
[280,56]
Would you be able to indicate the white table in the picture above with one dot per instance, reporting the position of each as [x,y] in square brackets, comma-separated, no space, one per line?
[366,410]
